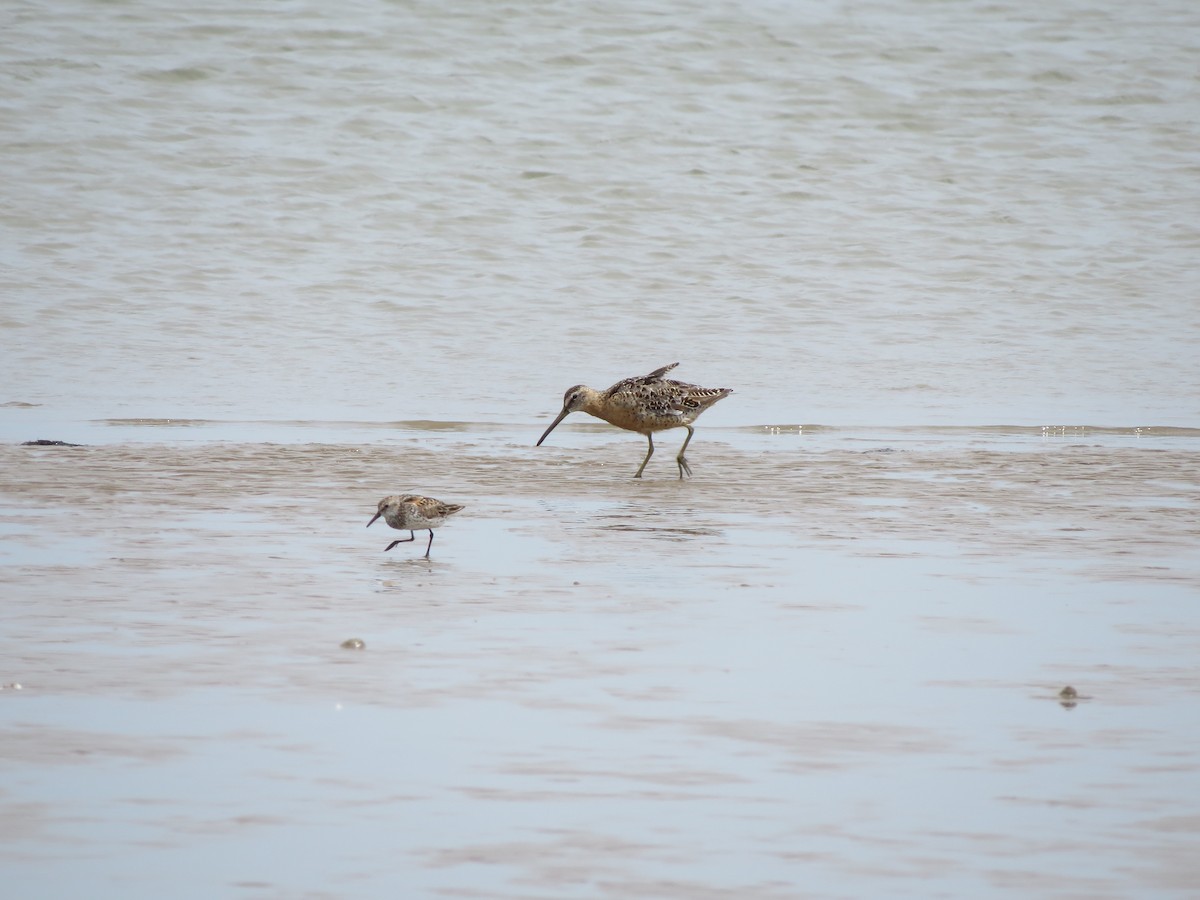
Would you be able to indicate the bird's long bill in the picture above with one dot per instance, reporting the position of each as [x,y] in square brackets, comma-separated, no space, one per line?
[562,415]
[373,518]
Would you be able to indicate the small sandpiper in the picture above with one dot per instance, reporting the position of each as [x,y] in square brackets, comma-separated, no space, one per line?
[412,512]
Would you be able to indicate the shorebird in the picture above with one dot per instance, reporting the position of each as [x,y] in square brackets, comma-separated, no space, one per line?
[414,513]
[644,404]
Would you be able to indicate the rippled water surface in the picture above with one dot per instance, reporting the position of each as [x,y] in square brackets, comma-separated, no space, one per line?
[881,213]
[268,264]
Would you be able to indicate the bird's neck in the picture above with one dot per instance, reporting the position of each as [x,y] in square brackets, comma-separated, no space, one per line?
[593,404]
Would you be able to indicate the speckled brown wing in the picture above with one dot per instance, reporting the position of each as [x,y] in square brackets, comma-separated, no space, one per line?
[694,399]
[659,373]
[419,511]
[641,404]
[431,507]
[630,384]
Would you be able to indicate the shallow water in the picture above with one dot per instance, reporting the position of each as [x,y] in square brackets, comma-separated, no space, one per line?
[270,264]
[841,684]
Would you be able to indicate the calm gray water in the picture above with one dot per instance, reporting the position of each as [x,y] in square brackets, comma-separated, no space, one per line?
[270,262]
[879,213]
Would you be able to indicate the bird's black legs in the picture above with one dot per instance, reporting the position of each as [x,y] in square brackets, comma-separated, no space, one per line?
[411,537]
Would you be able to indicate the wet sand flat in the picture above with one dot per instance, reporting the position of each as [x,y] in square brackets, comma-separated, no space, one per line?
[835,675]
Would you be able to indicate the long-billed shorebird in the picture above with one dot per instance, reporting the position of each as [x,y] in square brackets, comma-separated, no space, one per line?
[414,513]
[645,404]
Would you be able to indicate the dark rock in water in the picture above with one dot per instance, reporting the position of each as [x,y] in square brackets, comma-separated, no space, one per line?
[42,442]
[1068,697]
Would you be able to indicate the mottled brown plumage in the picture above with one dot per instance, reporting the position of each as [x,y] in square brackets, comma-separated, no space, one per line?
[412,512]
[644,404]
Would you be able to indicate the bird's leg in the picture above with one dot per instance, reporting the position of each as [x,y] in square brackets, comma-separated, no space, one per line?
[411,537]
[683,464]
[430,544]
[649,453]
